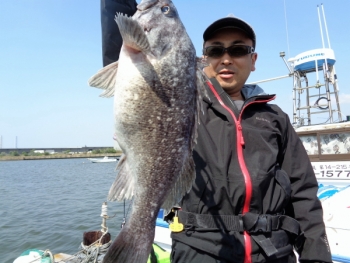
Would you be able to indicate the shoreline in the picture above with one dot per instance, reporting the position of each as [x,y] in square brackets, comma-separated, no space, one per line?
[59,156]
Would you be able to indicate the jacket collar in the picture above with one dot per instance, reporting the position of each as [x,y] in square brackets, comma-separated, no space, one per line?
[248,92]
[251,93]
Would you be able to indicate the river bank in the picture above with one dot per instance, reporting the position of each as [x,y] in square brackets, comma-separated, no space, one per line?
[59,156]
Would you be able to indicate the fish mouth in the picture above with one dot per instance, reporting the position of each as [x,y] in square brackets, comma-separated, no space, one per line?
[147,30]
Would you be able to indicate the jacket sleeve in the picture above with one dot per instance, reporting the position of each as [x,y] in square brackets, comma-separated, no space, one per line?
[111,38]
[305,206]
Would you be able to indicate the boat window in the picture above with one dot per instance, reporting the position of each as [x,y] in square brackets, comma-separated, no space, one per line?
[335,143]
[310,143]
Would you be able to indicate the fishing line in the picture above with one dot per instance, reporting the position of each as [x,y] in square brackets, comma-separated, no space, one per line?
[126,214]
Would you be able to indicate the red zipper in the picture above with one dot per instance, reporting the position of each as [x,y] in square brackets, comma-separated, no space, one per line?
[244,169]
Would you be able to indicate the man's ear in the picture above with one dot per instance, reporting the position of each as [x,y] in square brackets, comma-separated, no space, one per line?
[254,58]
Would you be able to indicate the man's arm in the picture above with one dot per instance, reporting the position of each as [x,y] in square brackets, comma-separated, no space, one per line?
[305,207]
[111,38]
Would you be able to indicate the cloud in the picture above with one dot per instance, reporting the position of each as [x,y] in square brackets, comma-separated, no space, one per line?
[344,98]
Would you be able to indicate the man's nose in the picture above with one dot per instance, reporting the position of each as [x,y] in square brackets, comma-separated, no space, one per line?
[226,59]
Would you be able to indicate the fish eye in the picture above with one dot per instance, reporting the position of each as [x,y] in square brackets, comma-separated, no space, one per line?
[165,9]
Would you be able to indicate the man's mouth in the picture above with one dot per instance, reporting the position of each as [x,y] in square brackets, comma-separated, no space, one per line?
[226,74]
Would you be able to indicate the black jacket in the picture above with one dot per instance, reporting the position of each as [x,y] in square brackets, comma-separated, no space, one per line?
[111,38]
[252,162]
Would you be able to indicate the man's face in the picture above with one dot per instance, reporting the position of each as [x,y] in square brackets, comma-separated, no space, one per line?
[230,72]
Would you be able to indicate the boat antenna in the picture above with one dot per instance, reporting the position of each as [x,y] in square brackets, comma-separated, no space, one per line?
[285,18]
[325,25]
[335,78]
[319,21]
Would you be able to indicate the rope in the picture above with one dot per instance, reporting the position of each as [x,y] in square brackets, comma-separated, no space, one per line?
[48,253]
[104,210]
[318,106]
[90,253]
[95,249]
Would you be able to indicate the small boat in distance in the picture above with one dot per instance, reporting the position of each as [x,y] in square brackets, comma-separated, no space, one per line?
[105,159]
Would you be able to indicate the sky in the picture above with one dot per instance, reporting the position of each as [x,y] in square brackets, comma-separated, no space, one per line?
[50,48]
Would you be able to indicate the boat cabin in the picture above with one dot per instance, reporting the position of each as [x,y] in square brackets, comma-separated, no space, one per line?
[329,142]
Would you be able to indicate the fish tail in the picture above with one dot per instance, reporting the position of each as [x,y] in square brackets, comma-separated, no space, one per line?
[129,248]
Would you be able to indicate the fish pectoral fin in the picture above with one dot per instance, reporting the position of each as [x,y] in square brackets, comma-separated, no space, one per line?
[132,33]
[183,184]
[123,186]
[105,79]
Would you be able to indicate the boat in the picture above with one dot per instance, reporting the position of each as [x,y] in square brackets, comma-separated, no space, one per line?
[328,147]
[105,159]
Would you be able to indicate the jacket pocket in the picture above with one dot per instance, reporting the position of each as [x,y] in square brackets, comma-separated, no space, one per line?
[276,192]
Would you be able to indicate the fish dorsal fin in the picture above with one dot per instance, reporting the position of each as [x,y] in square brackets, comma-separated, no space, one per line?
[105,79]
[132,33]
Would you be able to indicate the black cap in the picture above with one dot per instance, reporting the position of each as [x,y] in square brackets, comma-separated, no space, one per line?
[229,22]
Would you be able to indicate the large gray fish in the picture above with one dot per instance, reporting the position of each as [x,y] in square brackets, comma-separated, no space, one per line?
[156,86]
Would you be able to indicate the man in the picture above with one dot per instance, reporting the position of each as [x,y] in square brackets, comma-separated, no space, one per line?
[254,197]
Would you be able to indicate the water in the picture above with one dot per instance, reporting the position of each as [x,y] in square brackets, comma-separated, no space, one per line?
[49,204]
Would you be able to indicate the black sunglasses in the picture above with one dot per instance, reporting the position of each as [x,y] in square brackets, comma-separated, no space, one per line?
[233,51]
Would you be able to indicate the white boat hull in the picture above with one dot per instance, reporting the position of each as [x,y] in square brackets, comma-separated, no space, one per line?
[334,193]
[102,160]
